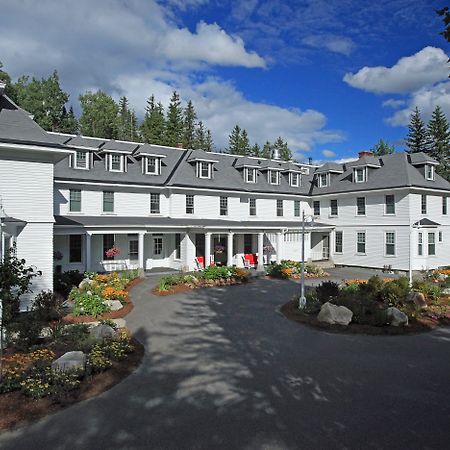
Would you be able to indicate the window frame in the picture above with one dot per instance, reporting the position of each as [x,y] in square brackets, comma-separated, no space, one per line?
[358,206]
[429,172]
[294,176]
[177,255]
[107,245]
[200,168]
[386,205]
[336,234]
[76,249]
[189,208]
[157,165]
[280,208]
[392,244]
[72,201]
[316,203]
[153,196]
[431,244]
[440,237]
[86,160]
[444,205]
[223,205]
[423,204]
[363,171]
[132,242]
[297,208]
[104,210]
[358,242]
[271,181]
[323,179]
[158,244]
[334,207]
[252,206]
[420,243]
[121,162]
[247,172]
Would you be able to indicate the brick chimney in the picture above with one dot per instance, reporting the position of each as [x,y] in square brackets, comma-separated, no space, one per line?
[180,145]
[364,153]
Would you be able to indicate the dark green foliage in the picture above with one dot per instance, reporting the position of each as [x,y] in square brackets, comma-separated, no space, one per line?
[234,141]
[48,307]
[127,126]
[174,121]
[153,126]
[69,123]
[439,141]
[267,151]
[189,120]
[382,148]
[25,331]
[283,149]
[9,89]
[327,291]
[313,303]
[417,138]
[65,281]
[431,291]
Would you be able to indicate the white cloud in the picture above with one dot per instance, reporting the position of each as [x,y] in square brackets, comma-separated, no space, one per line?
[394,103]
[335,44]
[328,153]
[410,73]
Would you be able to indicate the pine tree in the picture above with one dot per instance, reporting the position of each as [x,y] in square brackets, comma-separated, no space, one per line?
[235,141]
[154,124]
[255,151]
[244,144]
[189,118]
[267,151]
[417,138]
[174,122]
[439,141]
[69,123]
[283,149]
[382,148]
[127,122]
[200,137]
[9,89]
[209,143]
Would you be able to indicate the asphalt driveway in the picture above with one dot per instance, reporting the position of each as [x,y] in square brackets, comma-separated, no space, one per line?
[225,370]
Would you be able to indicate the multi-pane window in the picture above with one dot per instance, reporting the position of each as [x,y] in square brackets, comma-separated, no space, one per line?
[334,207]
[390,243]
[155,203]
[108,243]
[316,208]
[294,179]
[250,175]
[440,236]
[279,208]
[189,204]
[75,248]
[157,245]
[423,204]
[223,206]
[177,246]
[81,160]
[75,200]
[361,206]
[133,249]
[429,172]
[444,205]
[431,244]
[420,244]
[204,169]
[323,180]
[252,206]
[274,177]
[108,201]
[153,165]
[297,208]
[338,242]
[360,175]
[116,162]
[389,201]
[361,242]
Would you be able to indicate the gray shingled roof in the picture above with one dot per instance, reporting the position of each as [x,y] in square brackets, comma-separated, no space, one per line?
[330,167]
[365,161]
[421,158]
[426,223]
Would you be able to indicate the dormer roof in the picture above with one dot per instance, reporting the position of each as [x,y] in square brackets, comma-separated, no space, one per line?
[330,167]
[420,159]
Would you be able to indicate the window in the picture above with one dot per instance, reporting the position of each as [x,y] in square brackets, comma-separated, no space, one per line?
[338,241]
[108,243]
[389,243]
[108,202]
[323,180]
[361,206]
[223,206]
[75,200]
[294,179]
[152,165]
[297,208]
[429,172]
[316,208]
[177,246]
[361,242]
[359,175]
[431,244]
[189,204]
[420,244]
[250,175]
[252,206]
[424,204]
[248,243]
[274,177]
[279,208]
[389,203]
[444,206]
[81,160]
[157,245]
[75,248]
[440,236]
[154,203]
[115,162]
[334,207]
[133,248]
[204,169]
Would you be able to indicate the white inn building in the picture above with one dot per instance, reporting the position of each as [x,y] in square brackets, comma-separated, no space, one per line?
[67,199]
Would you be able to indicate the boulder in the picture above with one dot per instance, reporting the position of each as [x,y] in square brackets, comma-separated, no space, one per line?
[395,317]
[102,331]
[113,305]
[332,314]
[84,284]
[446,291]
[417,298]
[70,361]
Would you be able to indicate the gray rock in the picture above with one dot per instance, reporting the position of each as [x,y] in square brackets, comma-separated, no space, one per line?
[102,331]
[113,305]
[84,284]
[446,291]
[332,314]
[70,361]
[417,298]
[395,317]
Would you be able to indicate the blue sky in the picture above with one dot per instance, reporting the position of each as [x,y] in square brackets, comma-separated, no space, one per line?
[332,77]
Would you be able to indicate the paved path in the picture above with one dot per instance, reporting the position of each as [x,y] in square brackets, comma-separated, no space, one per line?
[224,370]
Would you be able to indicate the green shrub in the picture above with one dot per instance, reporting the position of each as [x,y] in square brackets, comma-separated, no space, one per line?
[217,272]
[431,291]
[25,331]
[87,303]
[327,291]
[313,304]
[165,283]
[63,282]
[48,306]
[312,268]
[97,359]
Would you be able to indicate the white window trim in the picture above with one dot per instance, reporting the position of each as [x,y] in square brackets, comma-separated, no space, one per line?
[323,176]
[434,243]
[75,161]
[365,242]
[420,242]
[150,204]
[199,165]
[364,172]
[432,172]
[157,165]
[110,169]
[385,206]
[440,237]
[277,177]
[365,207]
[313,209]
[424,196]
[395,244]
[250,207]
[342,243]
[294,176]
[337,208]
[247,171]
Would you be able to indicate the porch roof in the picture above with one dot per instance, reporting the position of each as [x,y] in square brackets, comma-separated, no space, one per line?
[168,222]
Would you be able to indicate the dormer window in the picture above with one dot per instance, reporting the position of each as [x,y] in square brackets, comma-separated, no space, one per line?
[152,165]
[81,160]
[273,177]
[250,175]
[204,169]
[294,179]
[323,179]
[360,175]
[429,172]
[115,162]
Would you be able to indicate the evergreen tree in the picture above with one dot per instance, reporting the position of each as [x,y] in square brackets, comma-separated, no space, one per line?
[267,151]
[439,141]
[283,149]
[99,117]
[382,148]
[9,89]
[127,122]
[200,137]
[189,118]
[154,124]
[255,150]
[244,144]
[235,141]
[174,122]
[417,138]
[69,123]
[209,143]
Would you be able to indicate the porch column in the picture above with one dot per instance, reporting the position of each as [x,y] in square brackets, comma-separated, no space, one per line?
[141,250]
[207,249]
[260,251]
[230,249]
[279,244]
[88,252]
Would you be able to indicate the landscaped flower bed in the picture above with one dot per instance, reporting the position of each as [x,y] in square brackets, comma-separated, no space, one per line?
[208,277]
[292,270]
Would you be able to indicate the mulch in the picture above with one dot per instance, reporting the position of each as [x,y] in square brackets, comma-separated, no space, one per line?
[420,325]
[17,409]
[127,308]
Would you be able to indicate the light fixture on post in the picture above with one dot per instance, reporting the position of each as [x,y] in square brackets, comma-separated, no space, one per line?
[302,299]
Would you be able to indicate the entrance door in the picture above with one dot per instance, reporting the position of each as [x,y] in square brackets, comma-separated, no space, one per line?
[326,246]
[158,246]
[220,250]
[133,250]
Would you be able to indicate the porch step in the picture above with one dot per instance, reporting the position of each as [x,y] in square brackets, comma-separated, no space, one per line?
[324,264]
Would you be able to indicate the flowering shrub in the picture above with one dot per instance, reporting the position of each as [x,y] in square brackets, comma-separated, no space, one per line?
[97,359]
[292,269]
[111,293]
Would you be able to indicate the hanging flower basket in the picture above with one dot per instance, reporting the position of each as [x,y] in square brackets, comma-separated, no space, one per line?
[112,252]
[219,248]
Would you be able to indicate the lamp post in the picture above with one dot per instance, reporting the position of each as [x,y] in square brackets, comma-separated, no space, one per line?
[302,299]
